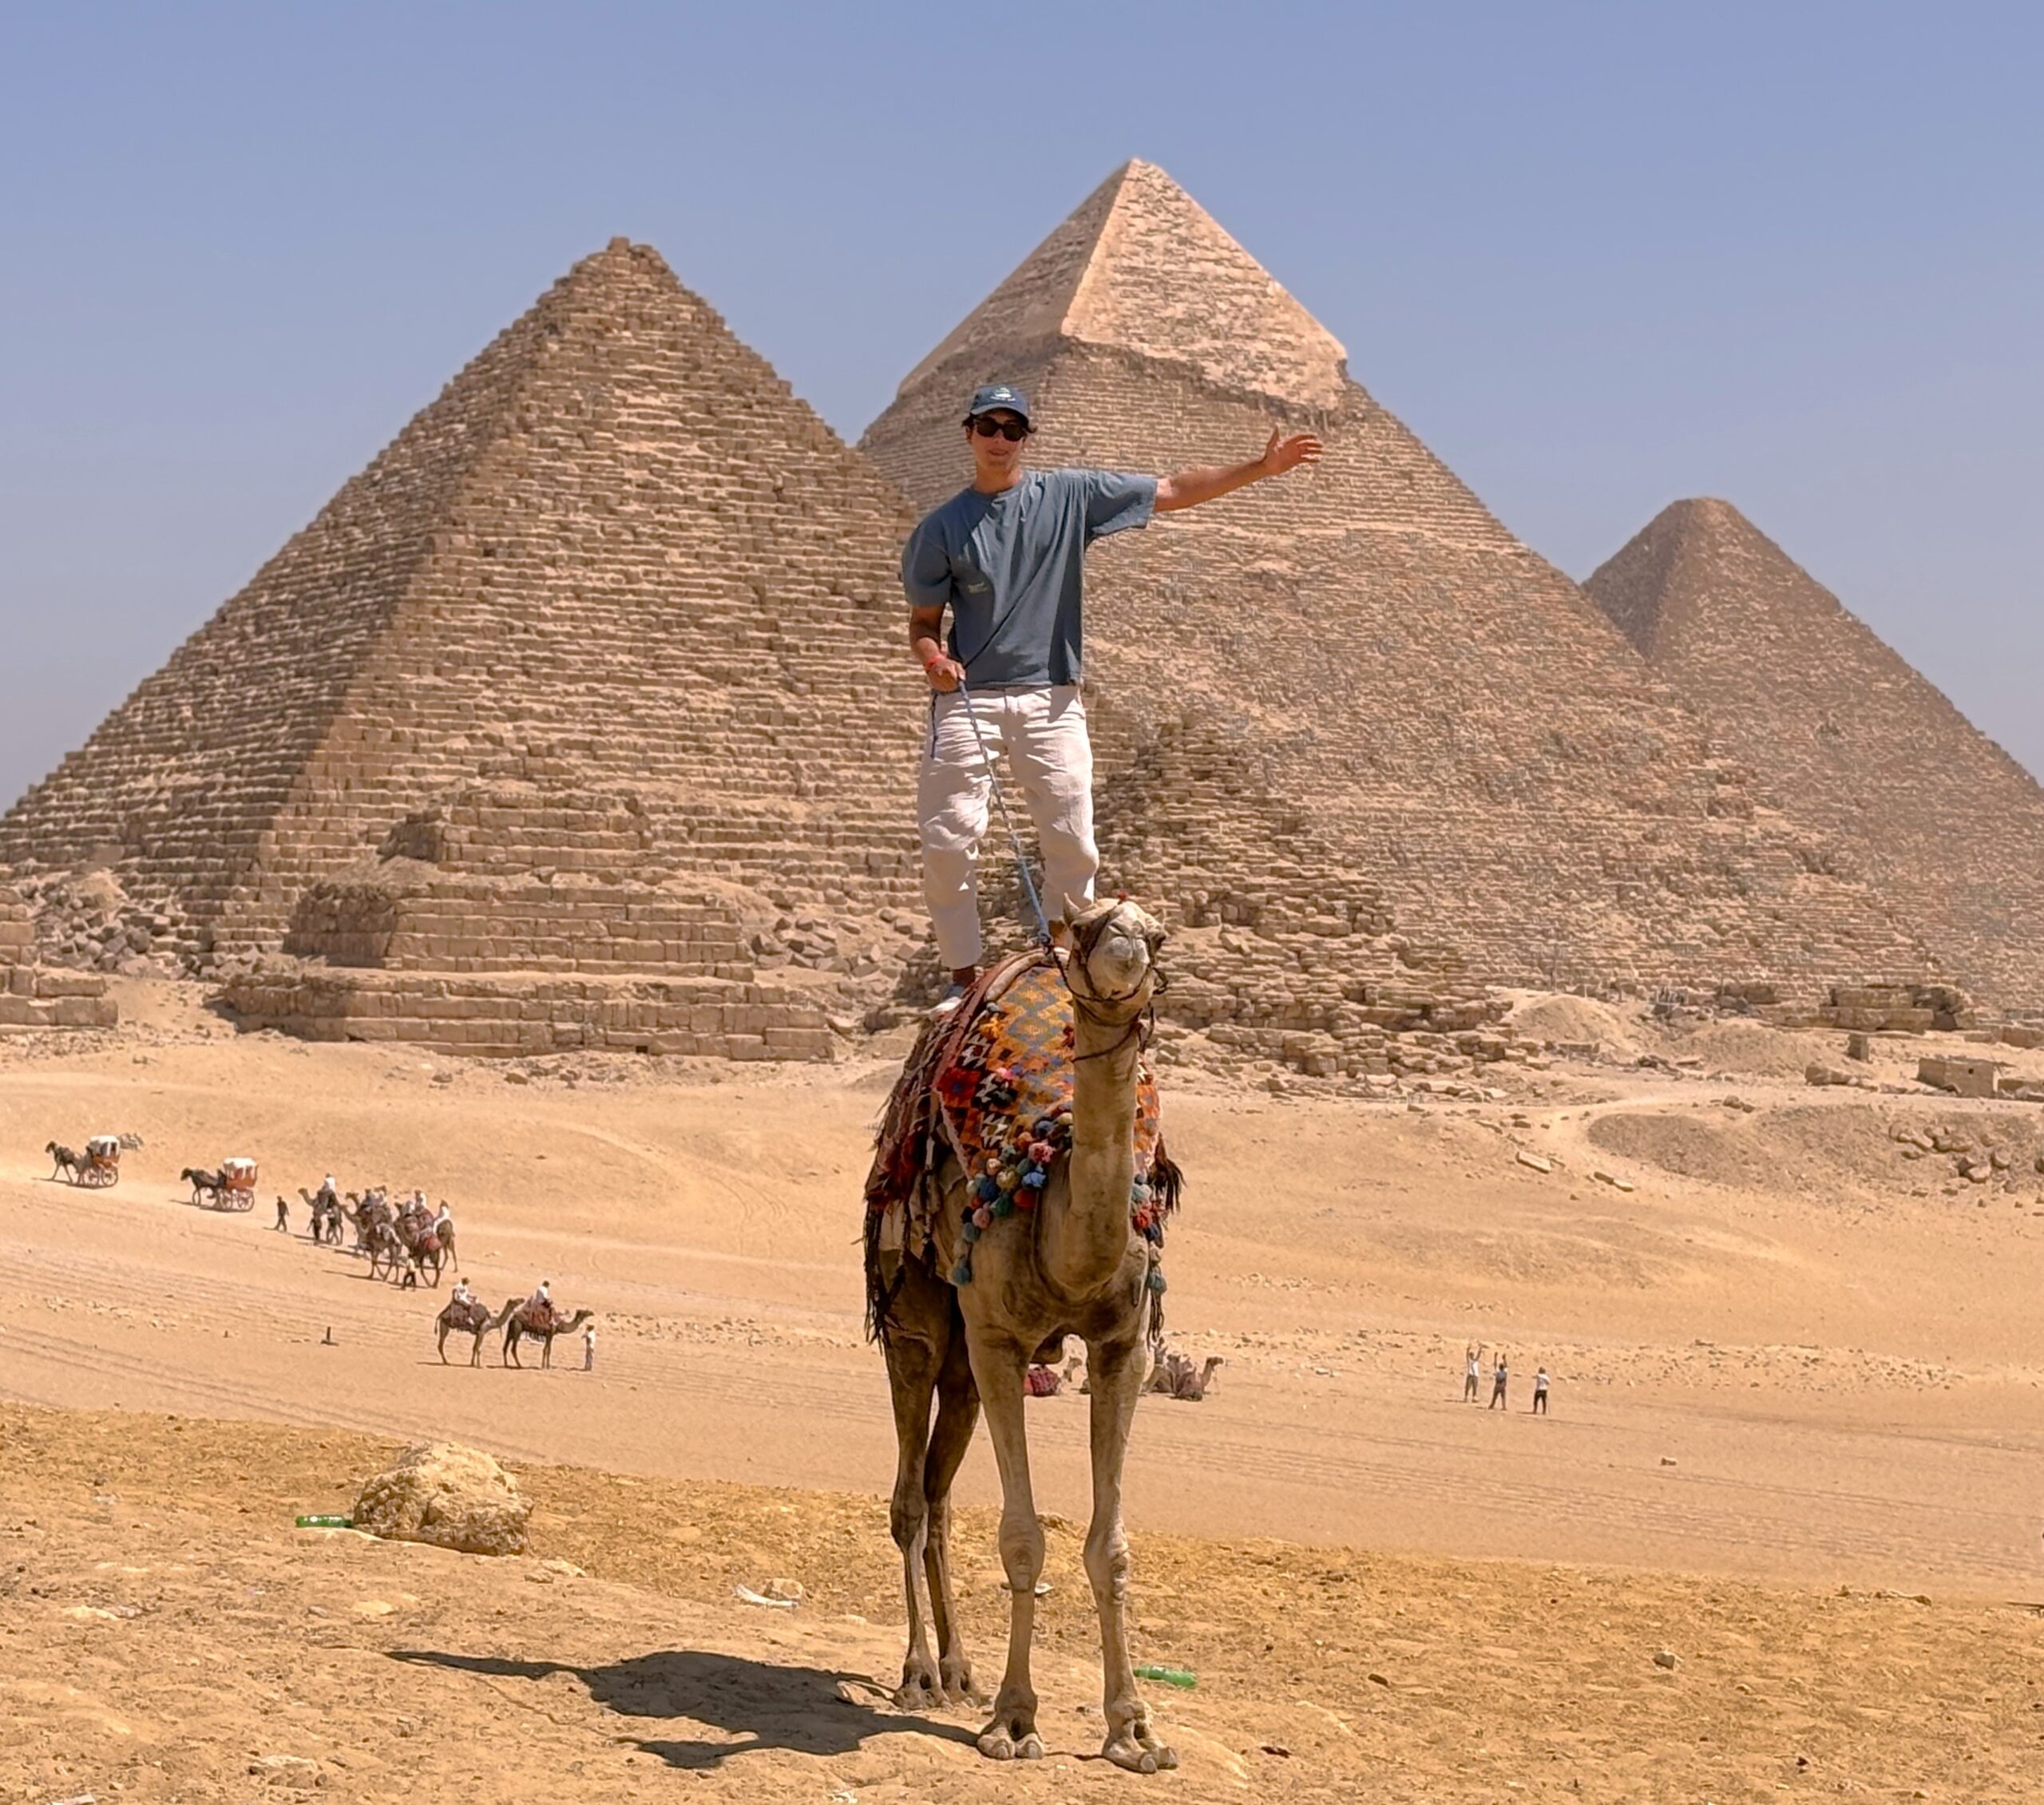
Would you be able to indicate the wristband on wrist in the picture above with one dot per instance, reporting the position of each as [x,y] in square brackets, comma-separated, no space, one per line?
[934,659]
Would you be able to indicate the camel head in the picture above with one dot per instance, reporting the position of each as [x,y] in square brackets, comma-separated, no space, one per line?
[1113,963]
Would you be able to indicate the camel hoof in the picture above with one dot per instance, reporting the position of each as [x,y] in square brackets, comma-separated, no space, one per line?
[995,1747]
[1030,1748]
[958,1687]
[1139,1753]
[919,1689]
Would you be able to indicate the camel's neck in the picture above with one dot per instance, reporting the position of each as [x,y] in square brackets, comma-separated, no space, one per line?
[1084,1235]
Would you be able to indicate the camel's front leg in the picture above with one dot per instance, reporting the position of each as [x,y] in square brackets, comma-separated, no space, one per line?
[998,1366]
[1117,1369]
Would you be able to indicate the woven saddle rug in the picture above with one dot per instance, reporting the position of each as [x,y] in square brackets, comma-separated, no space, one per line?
[990,1084]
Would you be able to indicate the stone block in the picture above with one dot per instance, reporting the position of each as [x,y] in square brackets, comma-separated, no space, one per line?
[1963,1078]
[51,982]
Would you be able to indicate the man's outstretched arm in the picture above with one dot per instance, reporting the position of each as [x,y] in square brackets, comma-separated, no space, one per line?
[1187,488]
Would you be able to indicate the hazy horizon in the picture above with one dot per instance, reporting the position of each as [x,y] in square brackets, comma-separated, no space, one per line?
[1597,262]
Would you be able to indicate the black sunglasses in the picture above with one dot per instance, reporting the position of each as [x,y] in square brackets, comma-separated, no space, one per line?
[987,426]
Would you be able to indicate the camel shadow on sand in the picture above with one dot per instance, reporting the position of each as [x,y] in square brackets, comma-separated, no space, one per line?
[764,1704]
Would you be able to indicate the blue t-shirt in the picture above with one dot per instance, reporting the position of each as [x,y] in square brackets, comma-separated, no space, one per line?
[1010,567]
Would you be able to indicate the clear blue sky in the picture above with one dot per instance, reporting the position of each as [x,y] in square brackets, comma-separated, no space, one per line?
[1597,257]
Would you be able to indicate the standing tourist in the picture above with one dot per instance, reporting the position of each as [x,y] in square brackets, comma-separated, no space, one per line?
[1472,1368]
[1540,1392]
[1006,556]
[1497,1376]
[589,1346]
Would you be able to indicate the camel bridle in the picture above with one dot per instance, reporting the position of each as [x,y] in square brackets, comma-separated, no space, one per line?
[1142,1024]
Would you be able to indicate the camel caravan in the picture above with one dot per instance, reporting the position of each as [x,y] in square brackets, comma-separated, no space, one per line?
[402,1242]
[522,1319]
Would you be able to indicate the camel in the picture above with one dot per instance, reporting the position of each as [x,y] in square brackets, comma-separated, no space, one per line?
[424,1246]
[470,1318]
[379,1241]
[203,1183]
[1074,1264]
[518,1321]
[325,1212]
[369,1213]
[70,1164]
[1175,1377]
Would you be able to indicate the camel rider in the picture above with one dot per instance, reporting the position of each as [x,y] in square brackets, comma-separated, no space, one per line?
[463,1294]
[443,1221]
[1006,556]
[329,1191]
[539,1307]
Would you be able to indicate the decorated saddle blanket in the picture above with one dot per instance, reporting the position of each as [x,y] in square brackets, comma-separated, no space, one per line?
[990,1084]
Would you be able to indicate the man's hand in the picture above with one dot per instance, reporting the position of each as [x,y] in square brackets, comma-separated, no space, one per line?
[944,673]
[1187,488]
[1282,454]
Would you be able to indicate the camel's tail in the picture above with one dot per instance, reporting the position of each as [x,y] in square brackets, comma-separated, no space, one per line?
[1166,1192]
[879,1291]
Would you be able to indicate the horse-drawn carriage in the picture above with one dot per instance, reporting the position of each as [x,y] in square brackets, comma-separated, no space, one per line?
[237,1189]
[101,1168]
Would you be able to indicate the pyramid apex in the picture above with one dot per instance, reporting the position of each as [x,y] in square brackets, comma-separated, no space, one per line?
[1700,511]
[1140,266]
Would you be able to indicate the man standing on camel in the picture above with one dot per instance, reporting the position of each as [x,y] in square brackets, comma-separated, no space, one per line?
[1006,556]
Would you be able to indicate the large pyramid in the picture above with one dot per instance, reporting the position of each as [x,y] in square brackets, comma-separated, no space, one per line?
[580,717]
[1847,734]
[1425,700]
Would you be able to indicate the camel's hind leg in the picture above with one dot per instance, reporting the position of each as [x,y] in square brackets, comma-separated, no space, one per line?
[957,1416]
[915,1346]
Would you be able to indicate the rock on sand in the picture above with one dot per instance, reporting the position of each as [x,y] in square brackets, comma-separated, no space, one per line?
[451,1496]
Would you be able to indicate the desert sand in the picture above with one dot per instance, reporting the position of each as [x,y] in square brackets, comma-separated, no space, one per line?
[1796,1391]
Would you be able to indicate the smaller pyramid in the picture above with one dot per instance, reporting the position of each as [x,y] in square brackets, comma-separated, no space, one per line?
[1846,733]
[576,719]
[1141,265]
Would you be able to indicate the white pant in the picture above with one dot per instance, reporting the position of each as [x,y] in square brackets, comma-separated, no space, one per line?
[1044,734]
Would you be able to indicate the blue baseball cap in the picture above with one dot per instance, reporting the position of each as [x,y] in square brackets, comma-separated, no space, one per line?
[991,397]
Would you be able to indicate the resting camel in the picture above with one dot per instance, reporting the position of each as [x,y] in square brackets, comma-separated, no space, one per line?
[519,1319]
[1175,1377]
[202,1183]
[1074,1264]
[472,1317]
[68,1162]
